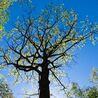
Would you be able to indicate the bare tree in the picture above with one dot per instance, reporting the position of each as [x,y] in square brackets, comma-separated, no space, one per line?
[45,43]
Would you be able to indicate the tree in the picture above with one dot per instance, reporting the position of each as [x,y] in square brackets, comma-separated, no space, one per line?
[74,91]
[94,76]
[4,5]
[45,43]
[91,92]
[4,16]
[5,92]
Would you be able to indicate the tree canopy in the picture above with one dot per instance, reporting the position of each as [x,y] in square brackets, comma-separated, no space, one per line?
[4,5]
[4,16]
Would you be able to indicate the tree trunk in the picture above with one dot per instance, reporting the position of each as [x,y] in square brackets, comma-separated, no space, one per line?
[44,91]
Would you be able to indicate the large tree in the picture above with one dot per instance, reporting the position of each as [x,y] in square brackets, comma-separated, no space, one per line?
[42,44]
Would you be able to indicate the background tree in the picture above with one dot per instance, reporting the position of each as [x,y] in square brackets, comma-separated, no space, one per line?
[5,91]
[74,91]
[94,76]
[4,13]
[43,44]
[4,5]
[91,92]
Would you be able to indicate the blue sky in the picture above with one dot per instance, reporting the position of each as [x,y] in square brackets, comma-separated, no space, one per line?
[85,58]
